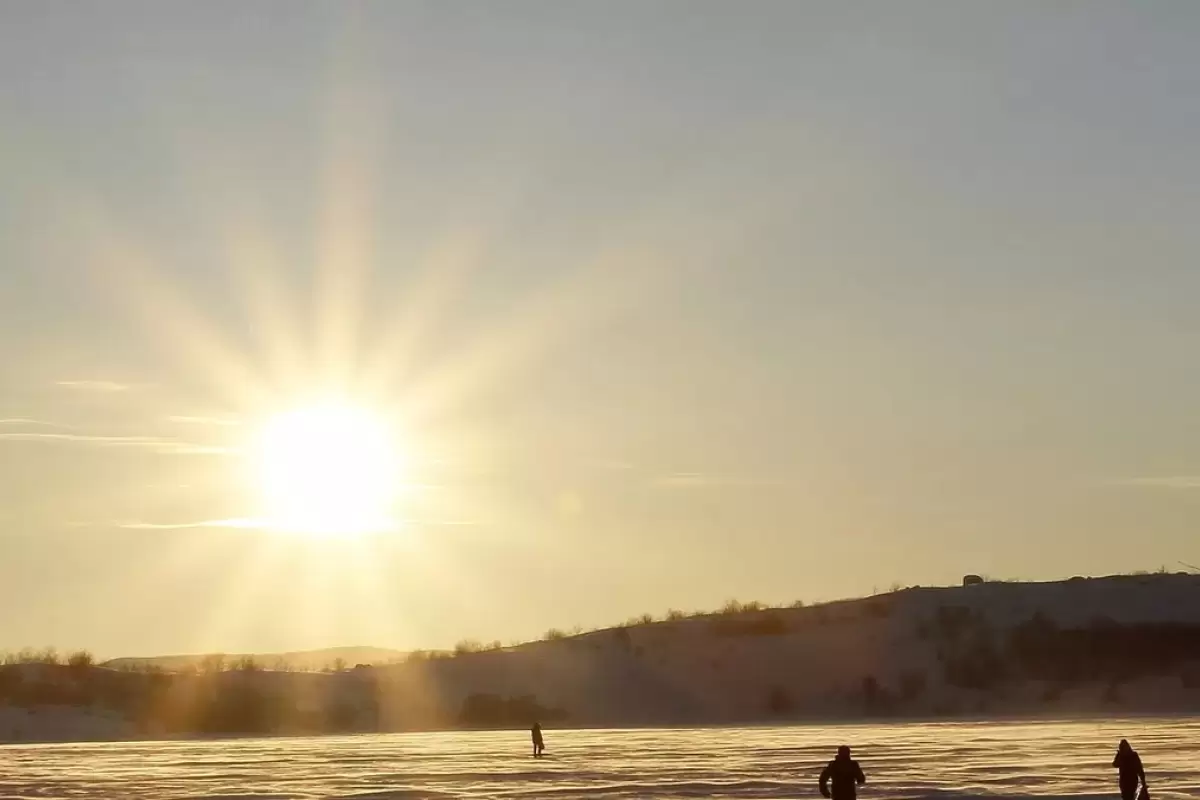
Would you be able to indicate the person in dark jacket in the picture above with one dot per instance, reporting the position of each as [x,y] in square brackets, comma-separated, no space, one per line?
[538,743]
[1131,772]
[846,775]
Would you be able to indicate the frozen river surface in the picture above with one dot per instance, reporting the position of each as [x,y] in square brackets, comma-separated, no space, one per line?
[942,761]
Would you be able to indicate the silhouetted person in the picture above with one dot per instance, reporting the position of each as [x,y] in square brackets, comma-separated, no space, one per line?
[1131,772]
[846,775]
[538,743]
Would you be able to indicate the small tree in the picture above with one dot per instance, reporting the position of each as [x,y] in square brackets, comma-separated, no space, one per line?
[247,664]
[80,659]
[467,646]
[212,663]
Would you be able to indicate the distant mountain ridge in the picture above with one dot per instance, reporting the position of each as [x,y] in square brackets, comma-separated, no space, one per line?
[331,658]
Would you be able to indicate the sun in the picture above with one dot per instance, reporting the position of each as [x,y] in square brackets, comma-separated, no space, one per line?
[327,471]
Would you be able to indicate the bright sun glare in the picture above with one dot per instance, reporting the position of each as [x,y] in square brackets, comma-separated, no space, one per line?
[327,471]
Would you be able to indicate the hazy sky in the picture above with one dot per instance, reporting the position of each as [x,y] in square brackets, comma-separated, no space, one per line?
[672,301]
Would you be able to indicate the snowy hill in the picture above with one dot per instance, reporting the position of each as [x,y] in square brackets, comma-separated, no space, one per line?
[1128,643]
[1112,645]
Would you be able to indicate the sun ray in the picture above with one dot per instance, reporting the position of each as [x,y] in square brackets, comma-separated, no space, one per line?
[174,324]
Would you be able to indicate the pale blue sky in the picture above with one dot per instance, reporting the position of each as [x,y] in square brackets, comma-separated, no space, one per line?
[678,301]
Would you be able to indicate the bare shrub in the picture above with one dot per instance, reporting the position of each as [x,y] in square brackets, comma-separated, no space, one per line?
[80,659]
[47,655]
[467,646]
[247,664]
[213,663]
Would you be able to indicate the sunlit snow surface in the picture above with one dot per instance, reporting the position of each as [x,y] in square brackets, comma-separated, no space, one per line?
[942,761]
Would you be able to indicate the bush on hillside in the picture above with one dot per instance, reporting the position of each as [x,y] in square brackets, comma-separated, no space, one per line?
[1041,649]
[247,664]
[80,659]
[467,646]
[978,665]
[212,663]
[951,622]
[27,655]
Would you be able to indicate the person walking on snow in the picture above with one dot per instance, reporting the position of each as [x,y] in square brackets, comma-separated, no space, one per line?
[1131,771]
[845,774]
[539,744]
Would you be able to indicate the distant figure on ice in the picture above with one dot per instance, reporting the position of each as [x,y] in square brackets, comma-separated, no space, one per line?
[846,774]
[538,743]
[1131,772]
